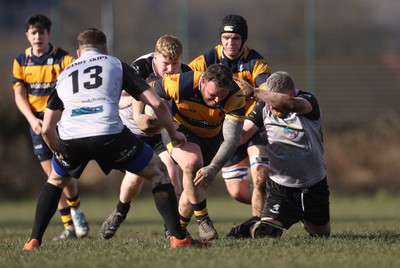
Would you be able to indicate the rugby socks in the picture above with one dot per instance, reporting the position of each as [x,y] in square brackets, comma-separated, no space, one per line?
[66,218]
[74,204]
[184,221]
[165,200]
[45,209]
[200,210]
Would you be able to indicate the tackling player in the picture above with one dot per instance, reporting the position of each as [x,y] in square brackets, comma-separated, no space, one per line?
[91,129]
[165,60]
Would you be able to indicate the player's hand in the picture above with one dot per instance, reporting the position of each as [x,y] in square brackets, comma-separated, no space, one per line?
[36,125]
[178,139]
[247,89]
[205,176]
[148,124]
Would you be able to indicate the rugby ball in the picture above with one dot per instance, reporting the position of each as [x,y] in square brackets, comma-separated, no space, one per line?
[149,111]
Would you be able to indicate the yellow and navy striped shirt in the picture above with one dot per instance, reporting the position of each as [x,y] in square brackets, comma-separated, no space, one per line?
[250,66]
[190,110]
[39,74]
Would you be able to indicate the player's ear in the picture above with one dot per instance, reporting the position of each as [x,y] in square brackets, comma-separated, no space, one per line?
[78,52]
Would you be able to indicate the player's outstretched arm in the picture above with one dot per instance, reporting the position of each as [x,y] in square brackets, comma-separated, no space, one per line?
[231,131]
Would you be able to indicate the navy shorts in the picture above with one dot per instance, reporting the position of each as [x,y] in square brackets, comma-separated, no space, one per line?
[40,148]
[290,205]
[122,151]
[155,142]
[208,146]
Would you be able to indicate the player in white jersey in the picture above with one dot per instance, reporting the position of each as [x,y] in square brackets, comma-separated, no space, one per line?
[165,60]
[297,188]
[90,129]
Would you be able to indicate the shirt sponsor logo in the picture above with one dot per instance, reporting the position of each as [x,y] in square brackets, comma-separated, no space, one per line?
[61,160]
[126,154]
[87,110]
[39,146]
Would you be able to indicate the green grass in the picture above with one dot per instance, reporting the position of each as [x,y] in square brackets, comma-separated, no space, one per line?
[365,233]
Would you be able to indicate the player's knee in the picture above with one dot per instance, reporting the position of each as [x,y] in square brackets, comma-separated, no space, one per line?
[237,183]
[263,229]
[155,171]
[237,195]
[190,168]
[317,230]
[325,233]
[133,182]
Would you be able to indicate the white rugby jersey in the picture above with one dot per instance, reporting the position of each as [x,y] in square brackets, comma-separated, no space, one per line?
[143,67]
[295,144]
[90,89]
[126,115]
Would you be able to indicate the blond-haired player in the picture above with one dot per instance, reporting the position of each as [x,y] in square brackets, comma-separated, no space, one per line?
[165,60]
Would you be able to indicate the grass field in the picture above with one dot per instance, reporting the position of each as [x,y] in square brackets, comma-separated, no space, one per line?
[365,233]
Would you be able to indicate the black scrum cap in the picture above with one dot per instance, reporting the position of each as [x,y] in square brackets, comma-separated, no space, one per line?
[234,24]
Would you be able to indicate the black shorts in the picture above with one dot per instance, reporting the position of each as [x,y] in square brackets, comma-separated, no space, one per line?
[241,151]
[291,205]
[123,151]
[208,146]
[155,142]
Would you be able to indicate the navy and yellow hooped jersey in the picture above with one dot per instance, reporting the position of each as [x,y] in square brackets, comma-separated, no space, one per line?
[190,110]
[251,66]
[39,74]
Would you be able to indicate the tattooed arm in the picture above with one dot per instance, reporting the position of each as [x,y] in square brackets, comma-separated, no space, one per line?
[231,131]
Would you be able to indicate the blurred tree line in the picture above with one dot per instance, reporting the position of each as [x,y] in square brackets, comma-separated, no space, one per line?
[351,51]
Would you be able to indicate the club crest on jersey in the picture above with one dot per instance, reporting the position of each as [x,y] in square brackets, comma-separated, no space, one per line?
[50,61]
[30,62]
[289,133]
